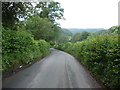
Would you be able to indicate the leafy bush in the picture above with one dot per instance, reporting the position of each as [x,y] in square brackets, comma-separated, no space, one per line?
[43,47]
[19,47]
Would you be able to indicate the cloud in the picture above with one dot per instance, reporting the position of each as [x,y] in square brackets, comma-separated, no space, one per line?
[89,13]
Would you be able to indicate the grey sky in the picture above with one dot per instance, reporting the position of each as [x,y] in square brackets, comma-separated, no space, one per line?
[89,13]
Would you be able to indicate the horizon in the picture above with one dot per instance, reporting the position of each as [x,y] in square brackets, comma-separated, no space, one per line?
[83,28]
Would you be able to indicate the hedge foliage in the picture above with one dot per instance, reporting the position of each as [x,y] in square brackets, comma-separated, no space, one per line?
[43,47]
[19,47]
[101,55]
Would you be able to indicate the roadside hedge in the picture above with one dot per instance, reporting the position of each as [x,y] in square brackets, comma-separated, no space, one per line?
[19,47]
[43,47]
[101,55]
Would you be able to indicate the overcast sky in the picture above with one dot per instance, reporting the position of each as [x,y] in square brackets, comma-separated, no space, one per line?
[89,13]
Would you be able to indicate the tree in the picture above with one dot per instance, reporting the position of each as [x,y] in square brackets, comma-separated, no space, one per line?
[62,39]
[84,35]
[76,37]
[42,28]
[50,10]
[80,36]
[13,11]
[113,29]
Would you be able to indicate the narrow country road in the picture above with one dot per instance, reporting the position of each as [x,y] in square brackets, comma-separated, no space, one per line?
[58,70]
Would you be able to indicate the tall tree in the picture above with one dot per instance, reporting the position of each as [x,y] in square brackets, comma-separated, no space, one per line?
[42,28]
[13,11]
[50,10]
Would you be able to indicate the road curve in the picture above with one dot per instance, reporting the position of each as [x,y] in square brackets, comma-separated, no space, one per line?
[58,70]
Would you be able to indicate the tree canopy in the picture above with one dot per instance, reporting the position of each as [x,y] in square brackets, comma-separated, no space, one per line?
[80,36]
[50,10]
[13,11]
[42,28]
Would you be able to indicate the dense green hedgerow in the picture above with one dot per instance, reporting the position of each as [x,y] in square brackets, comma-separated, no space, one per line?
[43,47]
[19,47]
[101,55]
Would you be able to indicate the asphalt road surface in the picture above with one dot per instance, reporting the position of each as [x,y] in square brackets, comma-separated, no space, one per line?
[58,70]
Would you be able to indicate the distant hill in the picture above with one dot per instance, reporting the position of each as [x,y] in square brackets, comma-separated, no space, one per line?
[66,32]
[113,29]
[76,30]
